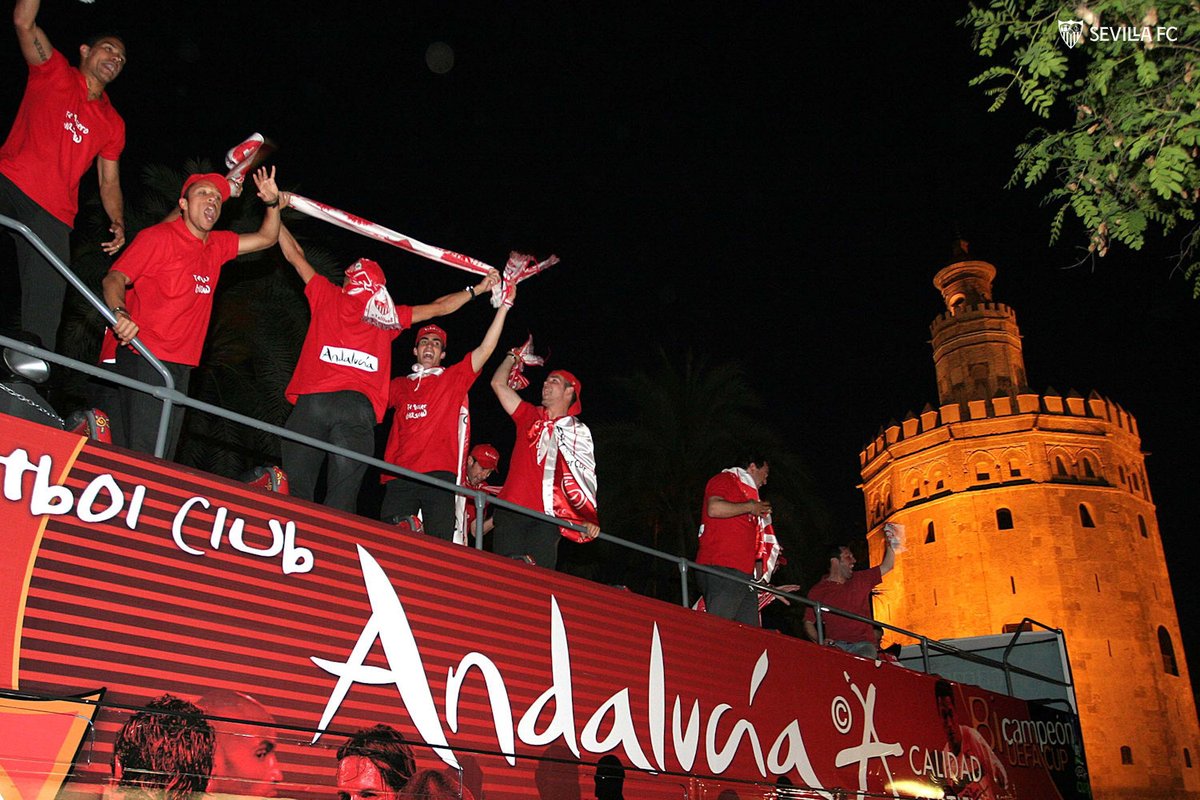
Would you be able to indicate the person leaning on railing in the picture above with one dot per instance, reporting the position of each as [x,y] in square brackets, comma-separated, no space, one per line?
[848,590]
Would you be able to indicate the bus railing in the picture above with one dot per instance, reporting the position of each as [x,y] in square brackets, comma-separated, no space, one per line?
[171,397]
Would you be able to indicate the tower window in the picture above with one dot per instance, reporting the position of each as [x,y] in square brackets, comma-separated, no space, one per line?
[1060,467]
[981,472]
[1187,758]
[1013,583]
[1085,516]
[1004,519]
[1014,468]
[930,534]
[1167,648]
[1126,754]
[1121,473]
[1142,527]
[1134,480]
[1088,471]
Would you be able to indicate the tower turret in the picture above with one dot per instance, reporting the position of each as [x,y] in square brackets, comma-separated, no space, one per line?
[976,342]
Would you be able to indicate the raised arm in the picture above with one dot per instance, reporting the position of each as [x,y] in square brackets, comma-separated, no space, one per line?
[481,354]
[275,201]
[113,201]
[889,557]
[294,253]
[449,303]
[34,45]
[508,397]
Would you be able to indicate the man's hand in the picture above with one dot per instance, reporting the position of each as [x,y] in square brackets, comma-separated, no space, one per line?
[126,328]
[489,280]
[760,508]
[510,294]
[591,531]
[117,229]
[268,192]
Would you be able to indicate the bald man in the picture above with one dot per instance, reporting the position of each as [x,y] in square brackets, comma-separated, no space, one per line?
[245,760]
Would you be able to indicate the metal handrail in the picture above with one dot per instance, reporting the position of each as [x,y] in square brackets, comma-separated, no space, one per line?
[171,396]
[160,442]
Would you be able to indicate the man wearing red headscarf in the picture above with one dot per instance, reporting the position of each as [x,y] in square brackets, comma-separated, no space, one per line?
[432,425]
[340,385]
[552,469]
[161,290]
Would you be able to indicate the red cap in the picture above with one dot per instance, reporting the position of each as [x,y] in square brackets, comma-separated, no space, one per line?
[433,330]
[213,178]
[577,406]
[485,456]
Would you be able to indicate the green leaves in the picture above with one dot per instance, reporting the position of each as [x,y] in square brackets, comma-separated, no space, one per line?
[1122,156]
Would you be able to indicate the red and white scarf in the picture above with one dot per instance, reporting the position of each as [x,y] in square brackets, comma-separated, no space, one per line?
[567,453]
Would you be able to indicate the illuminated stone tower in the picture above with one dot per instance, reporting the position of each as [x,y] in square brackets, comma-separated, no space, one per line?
[1018,504]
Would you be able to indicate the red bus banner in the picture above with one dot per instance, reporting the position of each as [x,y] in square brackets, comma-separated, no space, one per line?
[126,578]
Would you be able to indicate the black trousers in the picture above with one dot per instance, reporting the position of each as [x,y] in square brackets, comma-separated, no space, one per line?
[345,419]
[137,414]
[42,288]
[727,598]
[404,498]
[517,535]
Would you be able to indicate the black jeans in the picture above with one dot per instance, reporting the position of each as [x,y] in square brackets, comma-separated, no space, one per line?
[727,598]
[517,535]
[404,498]
[345,419]
[42,288]
[135,424]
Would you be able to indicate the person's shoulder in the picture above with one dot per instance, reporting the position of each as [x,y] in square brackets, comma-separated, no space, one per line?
[56,64]
[723,480]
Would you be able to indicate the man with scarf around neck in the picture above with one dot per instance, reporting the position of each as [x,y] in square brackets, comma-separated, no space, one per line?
[735,535]
[161,290]
[431,427]
[340,385]
[552,469]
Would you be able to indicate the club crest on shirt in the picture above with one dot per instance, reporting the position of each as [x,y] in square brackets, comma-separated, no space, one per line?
[347,357]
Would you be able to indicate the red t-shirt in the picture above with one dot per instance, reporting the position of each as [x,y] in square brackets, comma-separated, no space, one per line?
[56,136]
[340,351]
[730,542]
[525,475]
[424,435]
[173,276]
[854,596]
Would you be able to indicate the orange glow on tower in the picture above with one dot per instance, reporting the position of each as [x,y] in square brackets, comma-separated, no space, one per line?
[1019,504]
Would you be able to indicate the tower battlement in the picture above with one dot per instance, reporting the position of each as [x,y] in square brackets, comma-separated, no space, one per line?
[1095,407]
[975,311]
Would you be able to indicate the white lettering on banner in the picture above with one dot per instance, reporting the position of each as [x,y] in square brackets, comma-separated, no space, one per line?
[283,538]
[202,284]
[346,357]
[103,500]
[870,746]
[405,669]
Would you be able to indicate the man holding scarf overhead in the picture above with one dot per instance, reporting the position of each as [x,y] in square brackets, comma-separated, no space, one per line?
[552,469]
[340,385]
[432,425]
[737,538]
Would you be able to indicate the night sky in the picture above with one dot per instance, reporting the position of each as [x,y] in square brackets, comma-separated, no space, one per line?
[769,183]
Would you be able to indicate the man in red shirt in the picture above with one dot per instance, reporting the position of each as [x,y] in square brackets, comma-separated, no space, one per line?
[161,290]
[64,124]
[848,590]
[340,385]
[482,461]
[552,469]
[733,522]
[431,425]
